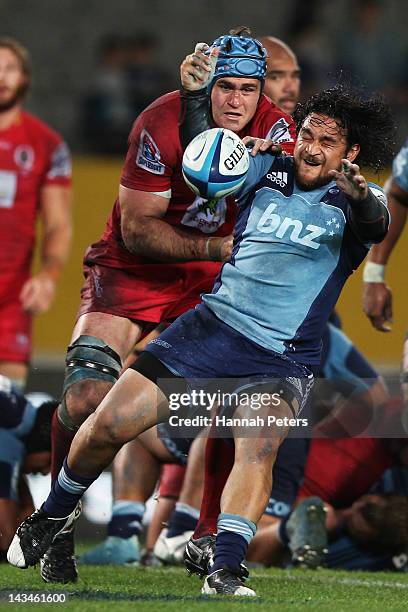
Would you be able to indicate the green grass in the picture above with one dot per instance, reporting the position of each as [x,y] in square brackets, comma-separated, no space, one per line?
[171,590]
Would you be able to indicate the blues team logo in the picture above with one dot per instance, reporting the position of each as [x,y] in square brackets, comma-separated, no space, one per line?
[24,157]
[148,155]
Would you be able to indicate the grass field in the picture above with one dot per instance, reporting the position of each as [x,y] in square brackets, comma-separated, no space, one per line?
[171,590]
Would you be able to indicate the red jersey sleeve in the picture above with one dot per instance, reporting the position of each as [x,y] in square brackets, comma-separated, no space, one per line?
[154,148]
[59,170]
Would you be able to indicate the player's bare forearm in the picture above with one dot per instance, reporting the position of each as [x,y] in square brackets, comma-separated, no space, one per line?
[195,74]
[55,251]
[57,229]
[156,239]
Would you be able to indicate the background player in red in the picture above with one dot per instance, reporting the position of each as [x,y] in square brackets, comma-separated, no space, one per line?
[282,79]
[35,177]
[161,248]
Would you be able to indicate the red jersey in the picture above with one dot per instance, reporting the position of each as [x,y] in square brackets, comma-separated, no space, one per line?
[31,156]
[153,164]
[342,470]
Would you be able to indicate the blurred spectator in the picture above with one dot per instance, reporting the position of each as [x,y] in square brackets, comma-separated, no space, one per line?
[146,78]
[127,79]
[369,48]
[107,113]
[310,43]
[373,46]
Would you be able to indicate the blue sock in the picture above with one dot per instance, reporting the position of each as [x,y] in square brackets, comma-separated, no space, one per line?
[282,533]
[234,534]
[66,491]
[183,518]
[126,519]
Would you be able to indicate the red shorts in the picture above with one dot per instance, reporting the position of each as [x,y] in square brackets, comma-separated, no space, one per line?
[15,333]
[171,480]
[121,293]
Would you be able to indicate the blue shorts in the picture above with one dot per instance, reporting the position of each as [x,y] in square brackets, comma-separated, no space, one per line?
[199,346]
[345,553]
[177,447]
[287,476]
[343,364]
[12,453]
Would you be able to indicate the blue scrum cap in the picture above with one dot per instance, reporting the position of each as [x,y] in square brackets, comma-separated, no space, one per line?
[239,56]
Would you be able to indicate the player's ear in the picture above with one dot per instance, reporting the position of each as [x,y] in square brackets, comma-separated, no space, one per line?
[353,151]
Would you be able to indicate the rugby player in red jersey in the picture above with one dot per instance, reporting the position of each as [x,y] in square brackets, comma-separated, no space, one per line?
[35,178]
[162,247]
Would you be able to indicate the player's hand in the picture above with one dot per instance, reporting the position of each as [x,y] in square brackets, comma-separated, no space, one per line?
[197,70]
[37,293]
[350,181]
[261,144]
[220,249]
[377,304]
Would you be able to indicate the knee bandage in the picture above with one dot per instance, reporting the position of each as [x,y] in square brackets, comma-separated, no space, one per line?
[90,358]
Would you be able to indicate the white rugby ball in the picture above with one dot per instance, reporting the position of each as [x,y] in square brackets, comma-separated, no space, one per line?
[215,163]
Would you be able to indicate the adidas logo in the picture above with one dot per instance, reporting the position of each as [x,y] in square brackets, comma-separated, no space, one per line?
[280,178]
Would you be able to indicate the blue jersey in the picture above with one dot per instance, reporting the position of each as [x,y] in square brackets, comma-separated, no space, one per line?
[17,416]
[400,168]
[293,252]
[17,413]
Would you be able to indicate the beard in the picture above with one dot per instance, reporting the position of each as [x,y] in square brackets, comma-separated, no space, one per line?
[309,185]
[16,97]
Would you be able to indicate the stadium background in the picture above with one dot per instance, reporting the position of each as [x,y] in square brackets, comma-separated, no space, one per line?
[63,38]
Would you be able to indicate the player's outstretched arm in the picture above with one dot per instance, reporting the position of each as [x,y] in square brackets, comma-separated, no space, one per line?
[195,74]
[377,297]
[197,69]
[368,215]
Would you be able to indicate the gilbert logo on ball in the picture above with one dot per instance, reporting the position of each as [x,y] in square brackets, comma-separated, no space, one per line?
[215,163]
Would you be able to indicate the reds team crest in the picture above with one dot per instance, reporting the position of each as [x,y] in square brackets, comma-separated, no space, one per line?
[148,154]
[24,157]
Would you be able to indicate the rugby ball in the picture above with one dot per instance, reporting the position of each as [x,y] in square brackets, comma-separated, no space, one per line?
[215,163]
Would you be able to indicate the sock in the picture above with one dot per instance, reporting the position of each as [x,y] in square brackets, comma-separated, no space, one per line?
[61,439]
[233,537]
[219,459]
[126,519]
[183,518]
[282,533]
[66,491]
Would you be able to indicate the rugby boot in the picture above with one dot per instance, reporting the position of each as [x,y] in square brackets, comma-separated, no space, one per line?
[171,550]
[36,534]
[226,582]
[58,564]
[113,551]
[306,529]
[199,556]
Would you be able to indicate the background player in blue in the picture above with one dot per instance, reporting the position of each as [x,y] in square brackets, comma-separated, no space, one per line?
[300,261]
[25,447]
[377,300]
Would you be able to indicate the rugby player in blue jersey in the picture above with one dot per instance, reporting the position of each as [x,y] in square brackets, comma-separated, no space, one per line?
[295,246]
[377,300]
[25,448]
